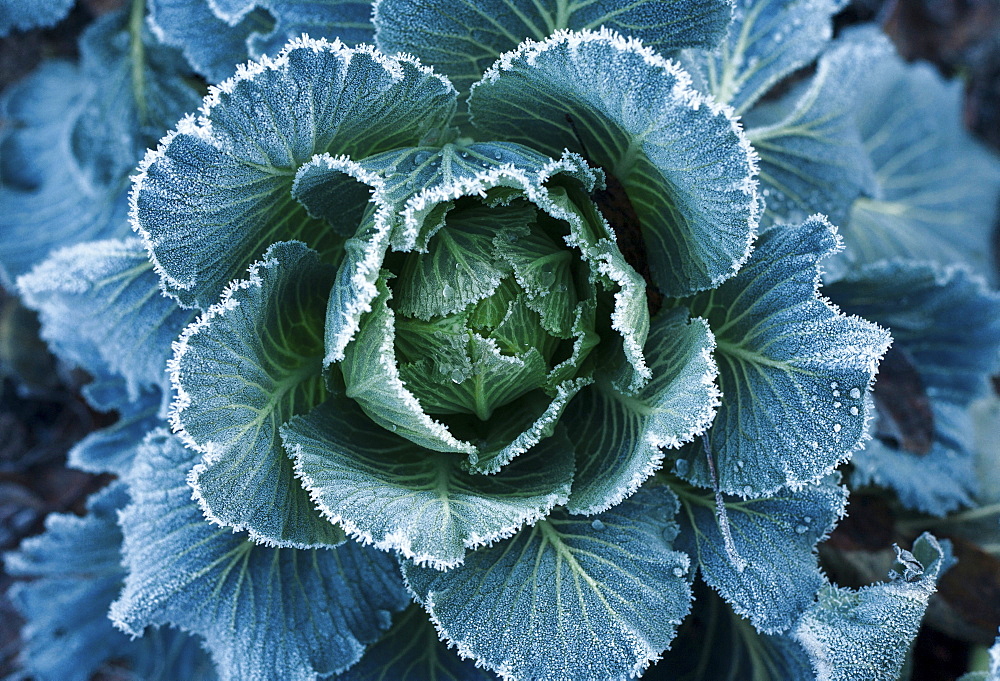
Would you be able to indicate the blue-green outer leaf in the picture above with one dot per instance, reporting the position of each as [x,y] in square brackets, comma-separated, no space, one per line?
[583,599]
[385,490]
[101,309]
[948,323]
[112,449]
[768,40]
[464,37]
[812,159]
[212,46]
[216,36]
[620,439]
[47,197]
[682,159]
[775,538]
[75,571]
[937,188]
[216,193]
[249,364]
[22,15]
[782,345]
[864,634]
[265,613]
[75,135]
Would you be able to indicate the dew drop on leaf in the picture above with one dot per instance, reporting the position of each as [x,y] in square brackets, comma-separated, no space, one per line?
[801,529]
[597,524]
[855,393]
[669,533]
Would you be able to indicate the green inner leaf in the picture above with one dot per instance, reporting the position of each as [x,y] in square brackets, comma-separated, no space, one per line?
[248,365]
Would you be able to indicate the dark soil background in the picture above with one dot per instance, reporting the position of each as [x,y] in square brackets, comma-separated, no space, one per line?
[42,414]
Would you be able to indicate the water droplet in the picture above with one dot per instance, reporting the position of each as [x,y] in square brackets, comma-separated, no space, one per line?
[836,393]
[421,157]
[855,393]
[681,467]
[834,385]
[837,405]
[669,533]
[457,376]
[597,525]
[807,519]
[392,427]
[447,291]
[498,155]
[854,411]
[801,529]
[836,427]
[679,572]
[748,490]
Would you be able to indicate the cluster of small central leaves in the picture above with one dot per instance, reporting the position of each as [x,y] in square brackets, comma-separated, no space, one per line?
[481,317]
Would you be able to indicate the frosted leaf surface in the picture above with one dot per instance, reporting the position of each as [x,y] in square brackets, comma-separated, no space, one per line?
[812,159]
[464,38]
[768,40]
[936,186]
[310,613]
[567,598]
[112,449]
[620,439]
[75,571]
[852,635]
[947,322]
[217,192]
[776,539]
[388,491]
[247,365]
[682,160]
[781,344]
[75,134]
[21,15]
[216,35]
[102,310]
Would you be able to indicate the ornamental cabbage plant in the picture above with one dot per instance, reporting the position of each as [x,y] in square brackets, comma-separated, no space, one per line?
[520,344]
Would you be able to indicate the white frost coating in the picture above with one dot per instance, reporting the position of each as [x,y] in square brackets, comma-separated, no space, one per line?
[202,127]
[530,437]
[699,425]
[872,358]
[682,93]
[211,452]
[402,542]
[185,126]
[502,175]
[367,270]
